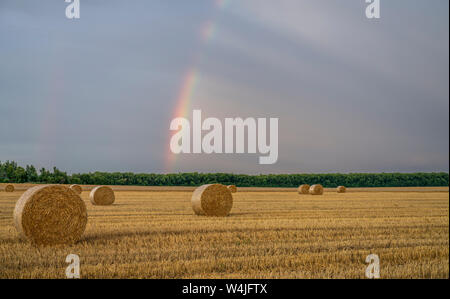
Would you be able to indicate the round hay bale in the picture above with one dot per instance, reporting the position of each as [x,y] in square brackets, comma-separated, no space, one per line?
[212,200]
[303,189]
[9,188]
[341,189]
[76,188]
[50,215]
[102,196]
[232,188]
[316,190]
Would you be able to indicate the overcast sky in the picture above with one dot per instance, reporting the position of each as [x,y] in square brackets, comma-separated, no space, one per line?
[351,94]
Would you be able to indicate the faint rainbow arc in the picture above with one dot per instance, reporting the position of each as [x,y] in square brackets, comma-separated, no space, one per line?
[182,107]
[190,81]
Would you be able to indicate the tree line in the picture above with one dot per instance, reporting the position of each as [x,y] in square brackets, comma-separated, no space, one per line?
[11,172]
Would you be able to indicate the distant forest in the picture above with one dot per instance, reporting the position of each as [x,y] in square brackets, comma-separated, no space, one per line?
[11,172]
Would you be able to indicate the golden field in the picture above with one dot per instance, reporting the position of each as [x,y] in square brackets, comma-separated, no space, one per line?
[152,232]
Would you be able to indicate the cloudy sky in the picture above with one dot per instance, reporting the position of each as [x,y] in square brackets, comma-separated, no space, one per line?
[351,94]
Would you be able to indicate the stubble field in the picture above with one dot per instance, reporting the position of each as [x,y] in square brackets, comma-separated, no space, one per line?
[153,233]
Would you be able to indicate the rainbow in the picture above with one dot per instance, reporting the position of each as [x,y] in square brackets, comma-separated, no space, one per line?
[190,81]
[186,94]
[182,108]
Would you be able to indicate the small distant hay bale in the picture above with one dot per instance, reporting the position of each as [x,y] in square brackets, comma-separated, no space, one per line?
[50,215]
[76,188]
[102,196]
[316,189]
[303,189]
[9,188]
[212,200]
[232,188]
[341,189]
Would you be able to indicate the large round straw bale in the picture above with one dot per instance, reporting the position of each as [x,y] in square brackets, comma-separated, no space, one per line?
[50,215]
[212,200]
[9,188]
[232,188]
[76,188]
[303,189]
[102,196]
[341,189]
[316,189]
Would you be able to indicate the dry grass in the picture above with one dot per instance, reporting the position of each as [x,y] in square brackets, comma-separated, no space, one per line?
[267,235]
[23,187]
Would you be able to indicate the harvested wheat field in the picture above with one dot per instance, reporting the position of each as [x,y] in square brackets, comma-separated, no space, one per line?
[277,234]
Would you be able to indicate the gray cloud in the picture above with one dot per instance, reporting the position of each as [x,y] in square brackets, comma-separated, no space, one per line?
[351,94]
